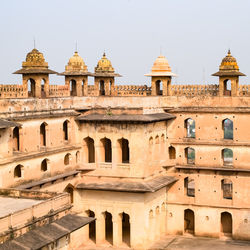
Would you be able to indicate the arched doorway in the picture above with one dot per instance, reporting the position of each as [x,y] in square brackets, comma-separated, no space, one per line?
[66,130]
[124,150]
[70,190]
[43,134]
[158,86]
[108,227]
[18,171]
[102,88]
[107,148]
[73,87]
[16,140]
[125,229]
[89,150]
[92,226]
[31,88]
[189,221]
[43,93]
[172,153]
[226,223]
[227,87]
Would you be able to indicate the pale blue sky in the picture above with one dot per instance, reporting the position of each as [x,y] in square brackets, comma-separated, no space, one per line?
[194,35]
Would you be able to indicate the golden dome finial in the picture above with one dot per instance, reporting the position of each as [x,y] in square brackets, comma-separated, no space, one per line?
[35,59]
[104,65]
[76,64]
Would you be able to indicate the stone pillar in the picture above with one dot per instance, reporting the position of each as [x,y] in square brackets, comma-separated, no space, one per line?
[100,229]
[85,86]
[153,86]
[117,230]
[78,86]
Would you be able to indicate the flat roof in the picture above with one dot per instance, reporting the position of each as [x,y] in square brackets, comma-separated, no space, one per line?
[151,185]
[42,236]
[10,205]
[143,118]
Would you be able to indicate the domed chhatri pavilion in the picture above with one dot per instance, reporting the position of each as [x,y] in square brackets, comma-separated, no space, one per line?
[134,162]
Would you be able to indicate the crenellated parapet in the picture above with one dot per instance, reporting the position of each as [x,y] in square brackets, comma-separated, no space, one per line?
[59,91]
[132,90]
[13,91]
[244,90]
[194,90]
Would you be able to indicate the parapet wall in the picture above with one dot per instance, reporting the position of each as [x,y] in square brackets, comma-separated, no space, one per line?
[52,206]
[132,90]
[13,91]
[19,91]
[192,90]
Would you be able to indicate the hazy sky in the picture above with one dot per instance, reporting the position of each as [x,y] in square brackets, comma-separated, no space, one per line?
[194,35]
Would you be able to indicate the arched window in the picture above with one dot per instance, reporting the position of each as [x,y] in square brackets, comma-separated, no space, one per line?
[172,153]
[43,134]
[190,155]
[16,139]
[227,126]
[107,149]
[124,150]
[227,87]
[227,189]
[18,171]
[66,130]
[44,165]
[158,87]
[157,140]
[89,150]
[67,159]
[227,156]
[189,125]
[189,187]
[73,87]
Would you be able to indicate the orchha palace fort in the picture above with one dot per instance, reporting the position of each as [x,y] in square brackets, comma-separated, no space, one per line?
[122,165]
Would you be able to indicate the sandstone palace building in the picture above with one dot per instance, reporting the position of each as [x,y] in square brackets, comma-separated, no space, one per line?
[122,165]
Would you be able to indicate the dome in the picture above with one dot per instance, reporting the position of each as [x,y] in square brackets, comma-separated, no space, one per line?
[161,67]
[35,59]
[104,65]
[228,67]
[229,63]
[76,63]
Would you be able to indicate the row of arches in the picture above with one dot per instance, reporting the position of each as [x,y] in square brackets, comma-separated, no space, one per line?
[123,224]
[225,221]
[227,127]
[44,167]
[106,150]
[226,188]
[43,134]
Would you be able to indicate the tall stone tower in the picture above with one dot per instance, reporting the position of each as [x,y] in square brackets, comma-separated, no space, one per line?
[228,72]
[104,77]
[161,73]
[36,72]
[76,76]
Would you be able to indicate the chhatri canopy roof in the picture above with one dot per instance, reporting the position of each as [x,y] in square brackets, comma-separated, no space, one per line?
[76,66]
[161,67]
[104,68]
[228,67]
[35,64]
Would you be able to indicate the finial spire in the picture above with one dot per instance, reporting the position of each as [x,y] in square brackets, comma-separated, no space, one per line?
[76,46]
[104,54]
[160,50]
[34,40]
[229,52]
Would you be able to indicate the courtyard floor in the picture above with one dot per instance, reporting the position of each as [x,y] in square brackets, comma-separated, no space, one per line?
[188,243]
